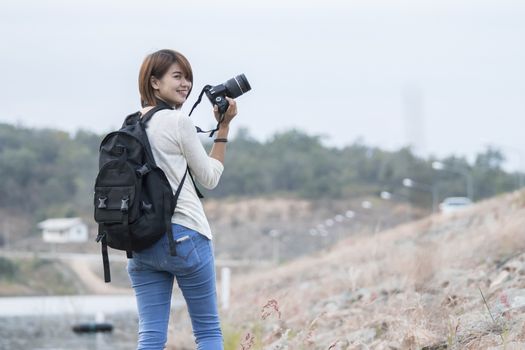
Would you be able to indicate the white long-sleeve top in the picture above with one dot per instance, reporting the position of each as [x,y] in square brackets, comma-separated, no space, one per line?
[175,145]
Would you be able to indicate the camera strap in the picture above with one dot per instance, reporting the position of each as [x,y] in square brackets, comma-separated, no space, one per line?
[221,118]
[207,87]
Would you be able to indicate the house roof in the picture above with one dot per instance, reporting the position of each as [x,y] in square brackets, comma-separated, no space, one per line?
[59,223]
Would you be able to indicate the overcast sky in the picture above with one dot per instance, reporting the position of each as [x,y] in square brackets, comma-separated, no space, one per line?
[446,76]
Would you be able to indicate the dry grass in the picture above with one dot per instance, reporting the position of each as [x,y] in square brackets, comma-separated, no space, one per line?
[413,287]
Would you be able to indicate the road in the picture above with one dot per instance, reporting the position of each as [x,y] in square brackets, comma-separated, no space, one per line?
[80,264]
[116,257]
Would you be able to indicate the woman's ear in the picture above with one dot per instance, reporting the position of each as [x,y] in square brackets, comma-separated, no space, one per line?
[154,83]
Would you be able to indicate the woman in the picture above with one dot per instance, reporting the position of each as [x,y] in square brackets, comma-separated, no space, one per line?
[166,77]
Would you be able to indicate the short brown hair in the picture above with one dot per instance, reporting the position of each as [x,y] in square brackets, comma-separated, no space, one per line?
[156,65]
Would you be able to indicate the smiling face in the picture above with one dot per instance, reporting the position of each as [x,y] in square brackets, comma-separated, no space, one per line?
[173,87]
[166,75]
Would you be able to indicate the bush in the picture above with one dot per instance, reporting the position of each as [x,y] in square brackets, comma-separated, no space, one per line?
[8,269]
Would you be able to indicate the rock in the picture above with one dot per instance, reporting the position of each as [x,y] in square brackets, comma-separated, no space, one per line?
[502,277]
[365,335]
[418,338]
[509,346]
[511,299]
[513,266]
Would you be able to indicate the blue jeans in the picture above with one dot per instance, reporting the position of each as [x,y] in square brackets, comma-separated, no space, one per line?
[152,272]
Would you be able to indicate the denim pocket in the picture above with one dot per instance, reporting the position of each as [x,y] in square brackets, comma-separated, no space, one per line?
[187,258]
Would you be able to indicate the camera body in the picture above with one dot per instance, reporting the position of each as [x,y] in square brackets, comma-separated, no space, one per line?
[216,95]
[232,88]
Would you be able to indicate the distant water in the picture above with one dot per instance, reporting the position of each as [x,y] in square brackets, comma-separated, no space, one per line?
[55,333]
[66,305]
[45,323]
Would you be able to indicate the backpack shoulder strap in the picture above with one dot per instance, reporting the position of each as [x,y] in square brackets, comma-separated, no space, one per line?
[160,106]
[144,120]
[177,193]
[143,125]
[199,194]
[168,215]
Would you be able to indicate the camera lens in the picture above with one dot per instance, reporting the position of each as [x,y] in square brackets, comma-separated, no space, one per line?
[237,86]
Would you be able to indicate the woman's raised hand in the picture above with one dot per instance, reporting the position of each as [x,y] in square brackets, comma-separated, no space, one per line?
[231,112]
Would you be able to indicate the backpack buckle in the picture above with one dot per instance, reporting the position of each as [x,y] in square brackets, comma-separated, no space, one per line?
[102,202]
[146,206]
[100,236]
[124,204]
[143,170]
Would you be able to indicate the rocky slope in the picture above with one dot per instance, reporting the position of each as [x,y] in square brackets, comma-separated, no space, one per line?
[417,286]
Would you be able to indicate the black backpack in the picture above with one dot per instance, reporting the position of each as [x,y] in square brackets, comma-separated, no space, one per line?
[134,201]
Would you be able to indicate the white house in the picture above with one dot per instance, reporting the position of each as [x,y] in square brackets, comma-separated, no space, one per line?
[64,230]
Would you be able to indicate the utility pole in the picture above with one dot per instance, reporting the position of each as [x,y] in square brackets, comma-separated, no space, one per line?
[6,235]
[275,240]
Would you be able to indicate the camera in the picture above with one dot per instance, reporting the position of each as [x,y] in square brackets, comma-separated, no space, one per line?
[232,88]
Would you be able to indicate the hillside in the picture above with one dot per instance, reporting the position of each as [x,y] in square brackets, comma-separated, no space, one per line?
[241,231]
[50,173]
[238,222]
[416,286]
